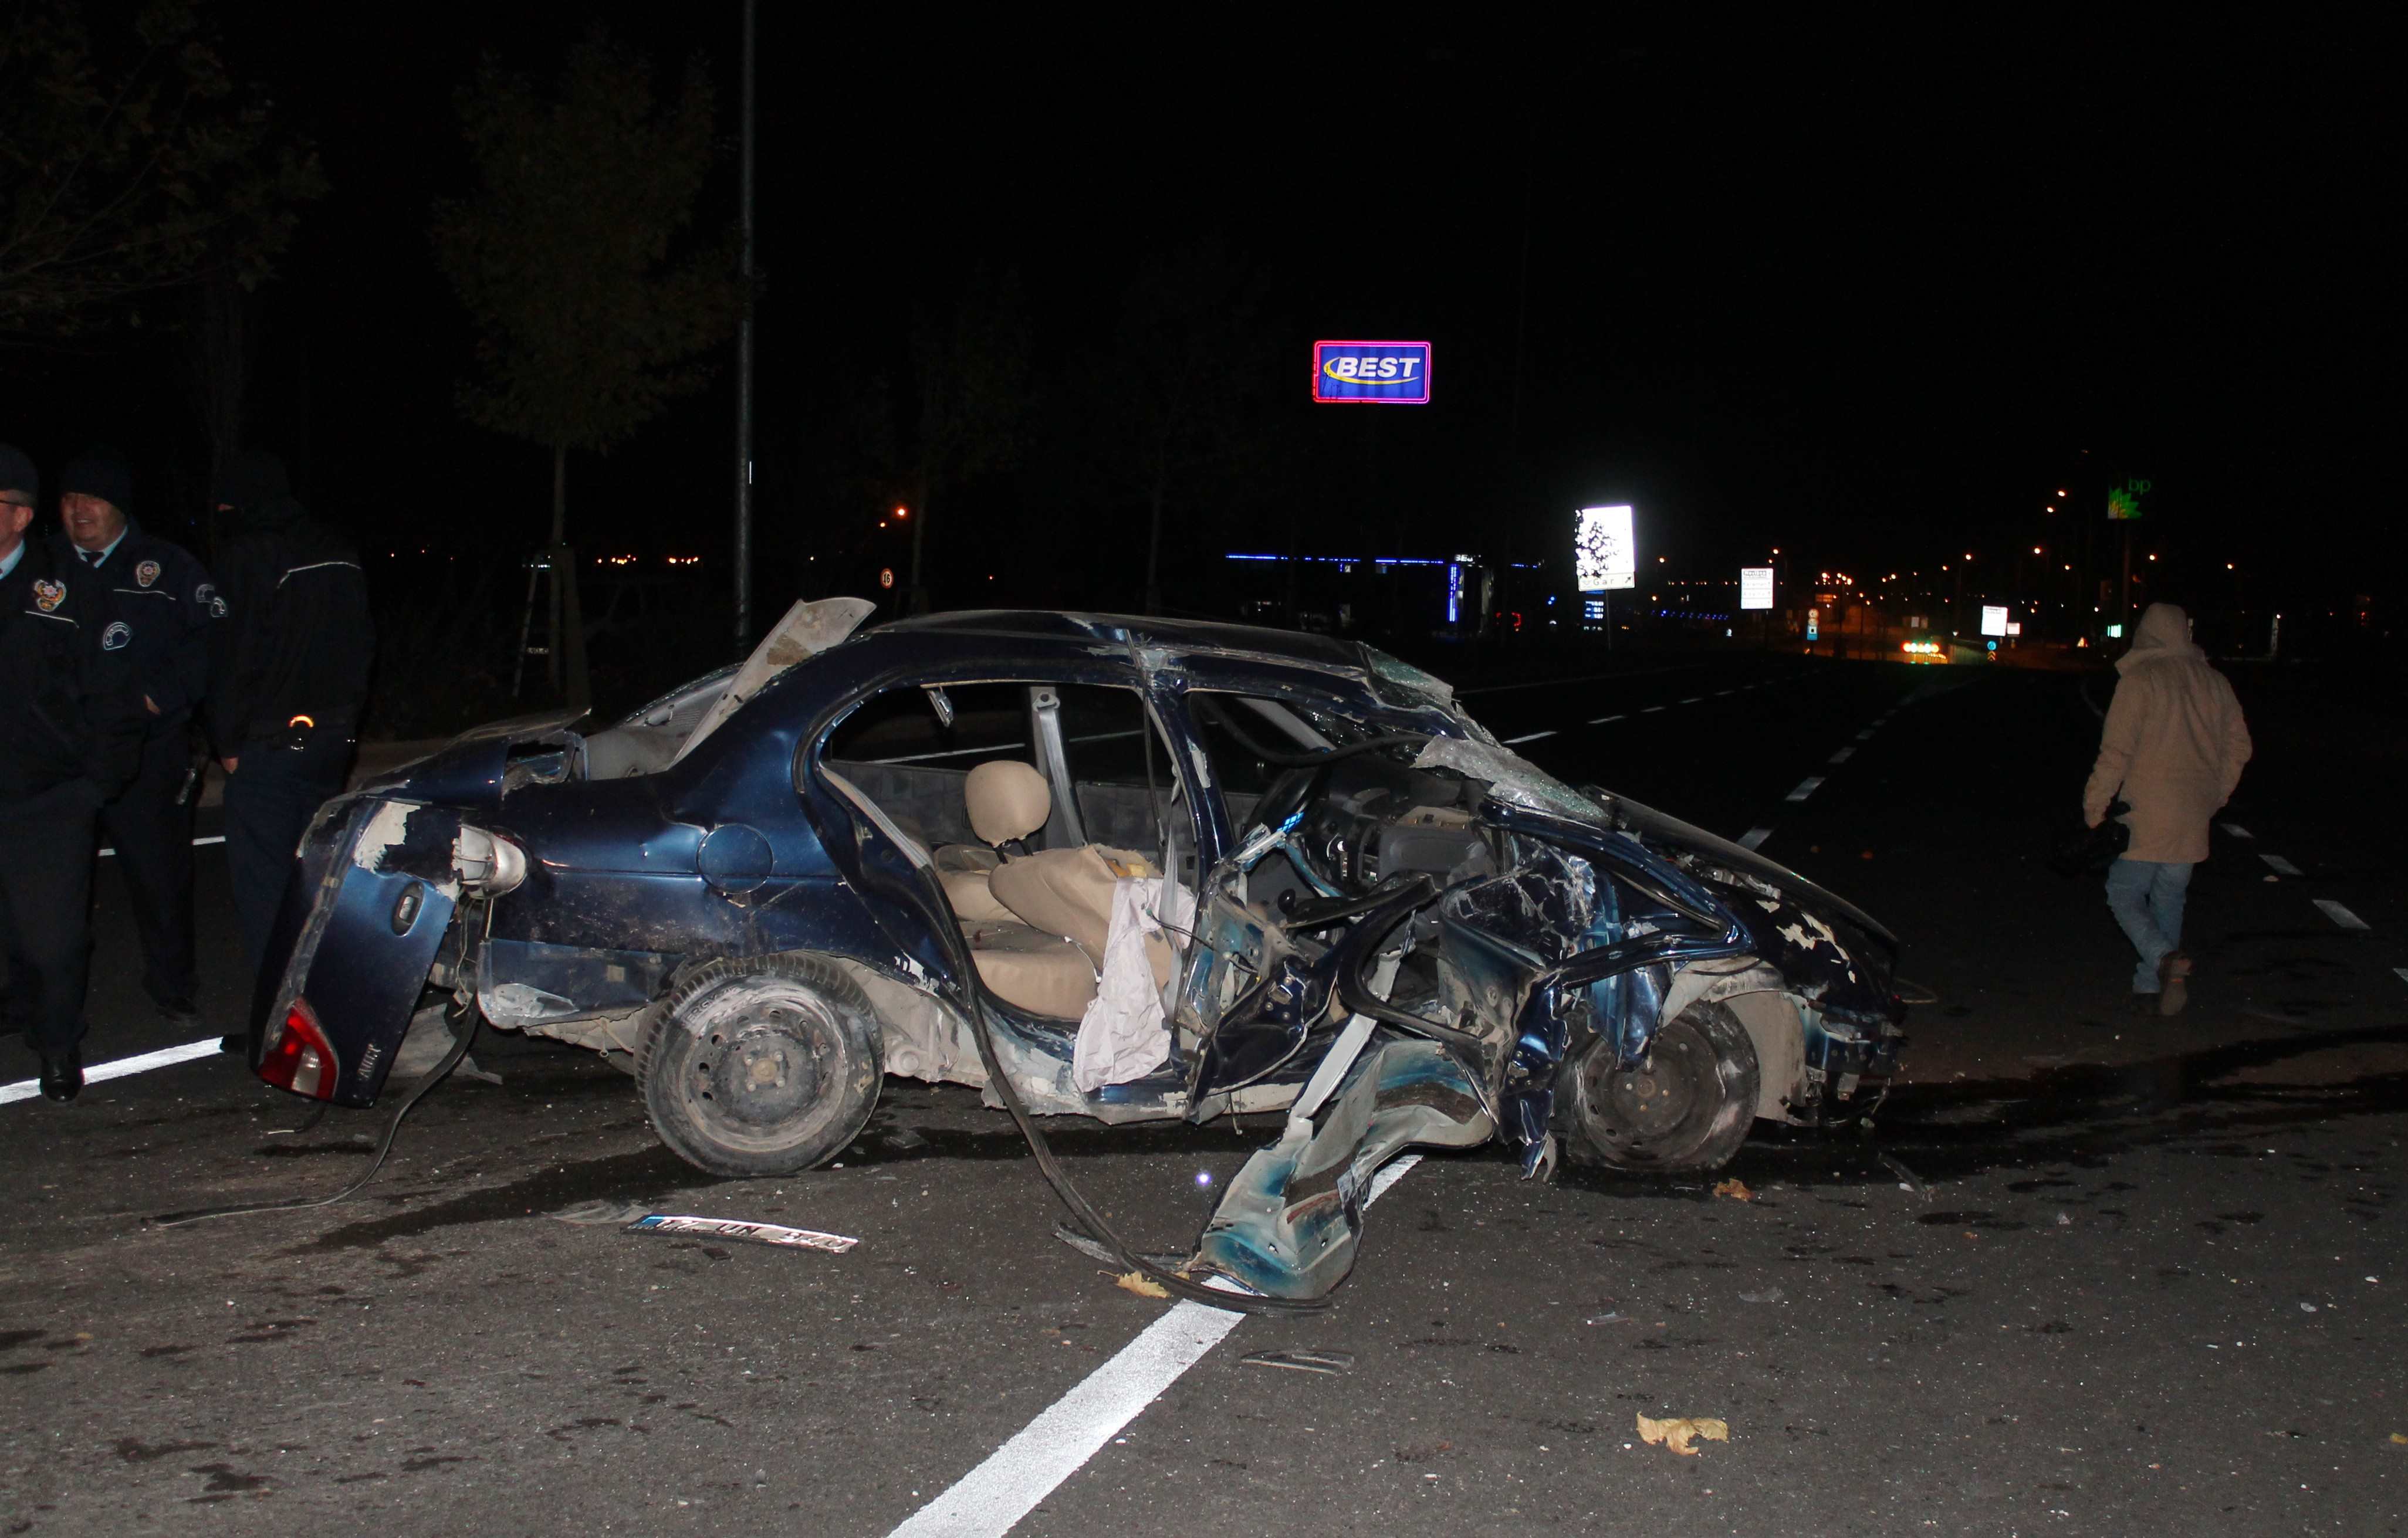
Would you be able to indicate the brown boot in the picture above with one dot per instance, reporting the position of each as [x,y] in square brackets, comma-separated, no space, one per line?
[2173,978]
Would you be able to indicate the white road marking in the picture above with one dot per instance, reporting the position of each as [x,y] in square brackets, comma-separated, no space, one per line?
[1754,838]
[1865,735]
[164,1057]
[1600,720]
[1694,699]
[1843,755]
[2279,866]
[1651,709]
[105,851]
[2237,831]
[2339,914]
[1720,692]
[1527,736]
[2402,972]
[1806,786]
[986,1502]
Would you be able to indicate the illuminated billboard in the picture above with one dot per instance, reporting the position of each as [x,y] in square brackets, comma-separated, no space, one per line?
[1756,587]
[1371,373]
[1604,556]
[1994,618]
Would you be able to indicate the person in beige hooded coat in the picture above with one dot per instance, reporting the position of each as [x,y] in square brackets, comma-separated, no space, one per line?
[2174,746]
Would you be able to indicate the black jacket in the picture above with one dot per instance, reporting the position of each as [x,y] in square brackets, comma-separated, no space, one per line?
[295,638]
[162,596]
[68,707]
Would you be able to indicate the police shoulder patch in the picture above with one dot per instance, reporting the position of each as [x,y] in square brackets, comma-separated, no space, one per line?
[115,637]
[50,593]
[146,574]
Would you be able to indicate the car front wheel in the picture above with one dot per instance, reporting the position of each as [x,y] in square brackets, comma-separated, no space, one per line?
[1686,1107]
[761,1066]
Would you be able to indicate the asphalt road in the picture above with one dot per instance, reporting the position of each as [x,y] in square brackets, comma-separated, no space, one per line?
[2096,1273]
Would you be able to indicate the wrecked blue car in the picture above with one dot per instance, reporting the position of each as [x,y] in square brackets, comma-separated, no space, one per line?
[1128,869]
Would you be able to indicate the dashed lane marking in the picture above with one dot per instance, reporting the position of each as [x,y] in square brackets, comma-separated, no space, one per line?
[1651,710]
[2339,914]
[1529,736]
[2279,866]
[1694,699]
[163,1058]
[1754,838]
[1600,720]
[2402,972]
[986,1502]
[1843,755]
[1865,735]
[214,838]
[2237,831]
[1806,786]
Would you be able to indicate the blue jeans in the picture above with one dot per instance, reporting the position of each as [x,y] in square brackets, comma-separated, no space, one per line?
[2146,897]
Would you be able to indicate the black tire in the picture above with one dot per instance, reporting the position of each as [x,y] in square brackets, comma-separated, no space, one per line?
[760,1066]
[1687,1108]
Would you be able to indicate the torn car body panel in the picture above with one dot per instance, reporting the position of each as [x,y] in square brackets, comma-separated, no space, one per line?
[1401,932]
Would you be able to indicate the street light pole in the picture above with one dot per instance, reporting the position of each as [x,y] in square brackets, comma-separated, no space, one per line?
[744,369]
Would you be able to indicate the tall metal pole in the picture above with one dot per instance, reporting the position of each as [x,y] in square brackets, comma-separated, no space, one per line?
[744,373]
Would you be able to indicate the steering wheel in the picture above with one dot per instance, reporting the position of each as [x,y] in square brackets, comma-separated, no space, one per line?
[1289,793]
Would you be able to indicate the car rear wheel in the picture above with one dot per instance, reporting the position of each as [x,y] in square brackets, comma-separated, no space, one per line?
[761,1066]
[1687,1108]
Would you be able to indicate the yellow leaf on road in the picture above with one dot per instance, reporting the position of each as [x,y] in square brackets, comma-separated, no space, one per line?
[1141,1284]
[1678,1432]
[1735,1188]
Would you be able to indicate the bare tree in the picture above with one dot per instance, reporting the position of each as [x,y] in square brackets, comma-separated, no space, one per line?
[131,162]
[594,309]
[972,363]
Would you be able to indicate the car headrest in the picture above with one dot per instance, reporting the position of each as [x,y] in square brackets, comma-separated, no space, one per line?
[1007,800]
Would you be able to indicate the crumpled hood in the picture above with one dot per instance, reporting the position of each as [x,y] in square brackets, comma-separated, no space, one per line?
[2163,634]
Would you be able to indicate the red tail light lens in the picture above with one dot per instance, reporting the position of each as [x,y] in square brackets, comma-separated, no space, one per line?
[297,1056]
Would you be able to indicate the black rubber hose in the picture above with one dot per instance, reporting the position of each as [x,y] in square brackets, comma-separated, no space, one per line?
[1355,996]
[296,1204]
[1321,912]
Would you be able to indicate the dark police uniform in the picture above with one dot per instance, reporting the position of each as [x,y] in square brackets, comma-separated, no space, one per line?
[70,738]
[160,608]
[285,692]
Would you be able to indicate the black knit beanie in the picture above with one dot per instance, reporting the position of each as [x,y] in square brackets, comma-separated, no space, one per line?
[249,479]
[16,472]
[100,476]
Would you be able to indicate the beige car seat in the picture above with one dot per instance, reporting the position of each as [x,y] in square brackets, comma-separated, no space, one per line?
[1035,922]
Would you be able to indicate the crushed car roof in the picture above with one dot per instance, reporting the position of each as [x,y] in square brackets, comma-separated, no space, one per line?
[1322,651]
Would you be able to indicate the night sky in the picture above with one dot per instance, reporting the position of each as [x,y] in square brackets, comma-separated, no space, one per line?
[1873,296]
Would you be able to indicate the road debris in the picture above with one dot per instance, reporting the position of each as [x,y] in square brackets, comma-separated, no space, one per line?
[1141,1284]
[636,1219]
[1735,1188]
[1303,1362]
[1907,1179]
[1770,1295]
[1680,1431]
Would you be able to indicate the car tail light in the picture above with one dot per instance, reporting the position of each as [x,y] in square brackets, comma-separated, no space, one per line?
[296,1057]
[489,864]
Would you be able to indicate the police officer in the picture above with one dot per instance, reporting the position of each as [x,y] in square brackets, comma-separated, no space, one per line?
[70,739]
[159,603]
[286,685]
